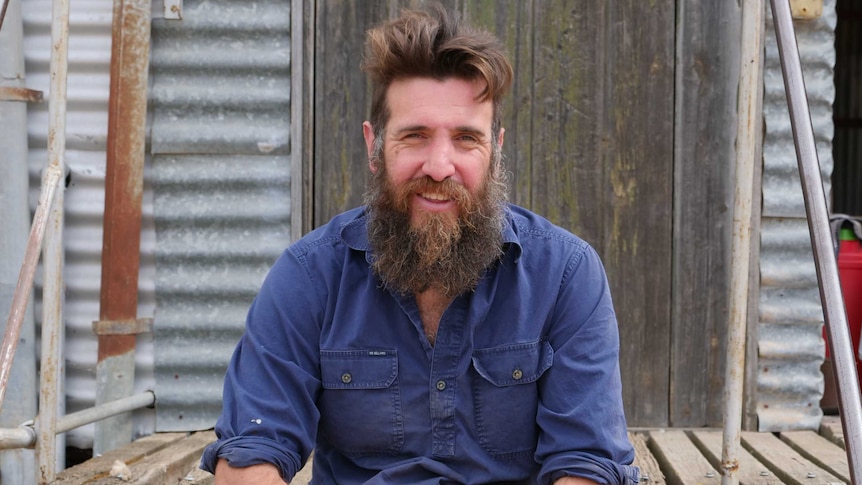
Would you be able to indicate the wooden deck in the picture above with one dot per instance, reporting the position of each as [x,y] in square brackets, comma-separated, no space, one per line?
[666,456]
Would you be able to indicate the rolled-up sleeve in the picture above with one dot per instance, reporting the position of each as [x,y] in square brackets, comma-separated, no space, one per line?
[583,427]
[268,411]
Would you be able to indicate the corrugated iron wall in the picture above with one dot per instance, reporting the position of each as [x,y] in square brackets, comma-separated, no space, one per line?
[219,177]
[790,346]
[220,104]
[86,138]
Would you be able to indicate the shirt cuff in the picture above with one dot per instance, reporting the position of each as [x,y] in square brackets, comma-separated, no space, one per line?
[616,475]
[245,451]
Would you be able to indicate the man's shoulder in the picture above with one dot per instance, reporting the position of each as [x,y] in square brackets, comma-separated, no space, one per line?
[532,228]
[345,228]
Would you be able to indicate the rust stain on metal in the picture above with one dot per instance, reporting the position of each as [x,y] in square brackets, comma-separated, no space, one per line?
[731,466]
[20,94]
[127,109]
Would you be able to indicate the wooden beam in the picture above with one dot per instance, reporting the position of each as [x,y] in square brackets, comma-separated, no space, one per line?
[680,459]
[791,467]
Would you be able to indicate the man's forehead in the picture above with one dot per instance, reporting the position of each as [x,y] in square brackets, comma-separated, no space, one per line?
[427,102]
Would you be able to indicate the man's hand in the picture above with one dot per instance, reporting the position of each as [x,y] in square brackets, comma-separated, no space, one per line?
[263,474]
[574,481]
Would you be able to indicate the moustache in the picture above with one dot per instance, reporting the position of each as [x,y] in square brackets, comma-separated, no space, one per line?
[447,188]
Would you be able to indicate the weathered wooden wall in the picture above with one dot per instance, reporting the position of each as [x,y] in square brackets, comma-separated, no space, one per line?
[616,129]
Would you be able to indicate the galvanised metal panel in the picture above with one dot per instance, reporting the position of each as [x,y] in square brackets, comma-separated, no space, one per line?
[220,105]
[790,345]
[86,138]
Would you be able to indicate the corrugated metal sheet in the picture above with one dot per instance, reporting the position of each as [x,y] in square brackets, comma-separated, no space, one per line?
[88,89]
[790,346]
[220,105]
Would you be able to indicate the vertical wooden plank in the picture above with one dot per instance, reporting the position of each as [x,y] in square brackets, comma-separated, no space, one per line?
[638,164]
[512,22]
[302,38]
[602,166]
[342,100]
[707,78]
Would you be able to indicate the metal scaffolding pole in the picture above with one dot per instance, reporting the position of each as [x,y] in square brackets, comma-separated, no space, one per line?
[841,347]
[52,320]
[748,125]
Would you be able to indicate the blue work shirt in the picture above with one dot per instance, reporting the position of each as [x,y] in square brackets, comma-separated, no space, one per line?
[521,386]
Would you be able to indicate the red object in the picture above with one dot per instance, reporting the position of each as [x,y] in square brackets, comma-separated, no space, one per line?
[850,274]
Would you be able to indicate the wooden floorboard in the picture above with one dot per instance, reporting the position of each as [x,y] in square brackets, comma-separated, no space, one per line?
[650,469]
[666,457]
[679,458]
[820,451]
[784,461]
[749,472]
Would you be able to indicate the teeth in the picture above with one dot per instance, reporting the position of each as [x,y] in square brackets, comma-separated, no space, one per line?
[435,196]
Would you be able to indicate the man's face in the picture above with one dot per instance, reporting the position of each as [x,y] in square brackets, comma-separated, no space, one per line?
[437,145]
[437,196]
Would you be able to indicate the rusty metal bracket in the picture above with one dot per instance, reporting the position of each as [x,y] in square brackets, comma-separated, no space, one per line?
[20,94]
[173,9]
[123,327]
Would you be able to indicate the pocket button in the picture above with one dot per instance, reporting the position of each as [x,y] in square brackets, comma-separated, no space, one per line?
[346,378]
[517,374]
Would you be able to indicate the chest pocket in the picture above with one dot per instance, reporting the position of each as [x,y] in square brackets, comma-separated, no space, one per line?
[360,404]
[506,396]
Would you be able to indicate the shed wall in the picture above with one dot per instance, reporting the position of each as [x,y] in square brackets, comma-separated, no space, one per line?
[220,108]
[790,345]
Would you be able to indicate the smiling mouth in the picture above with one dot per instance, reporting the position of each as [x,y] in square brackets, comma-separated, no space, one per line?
[435,197]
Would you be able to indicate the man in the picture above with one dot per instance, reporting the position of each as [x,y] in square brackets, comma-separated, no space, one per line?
[437,335]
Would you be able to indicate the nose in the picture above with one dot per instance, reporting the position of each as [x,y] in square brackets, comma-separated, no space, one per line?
[439,164]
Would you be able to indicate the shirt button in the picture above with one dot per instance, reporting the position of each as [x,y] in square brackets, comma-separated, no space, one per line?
[346,378]
[441,384]
[517,375]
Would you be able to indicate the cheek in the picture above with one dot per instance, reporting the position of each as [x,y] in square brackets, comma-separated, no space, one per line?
[401,169]
[475,175]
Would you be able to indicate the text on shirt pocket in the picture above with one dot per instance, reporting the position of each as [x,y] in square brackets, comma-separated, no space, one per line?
[360,405]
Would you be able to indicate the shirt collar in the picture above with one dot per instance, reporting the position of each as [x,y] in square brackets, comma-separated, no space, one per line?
[355,235]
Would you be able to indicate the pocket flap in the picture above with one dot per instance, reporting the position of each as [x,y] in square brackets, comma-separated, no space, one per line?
[514,364]
[358,369]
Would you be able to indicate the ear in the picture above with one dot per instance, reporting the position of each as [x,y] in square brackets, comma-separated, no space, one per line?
[368,134]
[500,138]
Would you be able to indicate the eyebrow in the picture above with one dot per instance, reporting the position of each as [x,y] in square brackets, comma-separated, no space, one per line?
[461,129]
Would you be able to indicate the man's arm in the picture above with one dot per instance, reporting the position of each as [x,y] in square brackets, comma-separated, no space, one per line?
[581,411]
[574,481]
[263,474]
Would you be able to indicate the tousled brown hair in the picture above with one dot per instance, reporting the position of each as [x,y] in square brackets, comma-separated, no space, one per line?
[433,43]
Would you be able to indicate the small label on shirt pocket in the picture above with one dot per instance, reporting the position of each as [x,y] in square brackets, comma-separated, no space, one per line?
[506,396]
[360,405]
[358,369]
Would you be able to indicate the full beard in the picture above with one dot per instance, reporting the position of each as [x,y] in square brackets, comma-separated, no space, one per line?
[437,251]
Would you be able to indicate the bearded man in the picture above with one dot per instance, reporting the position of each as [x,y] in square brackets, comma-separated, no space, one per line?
[437,335]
